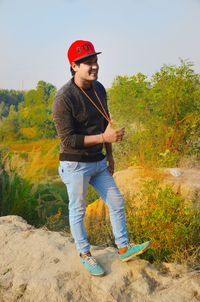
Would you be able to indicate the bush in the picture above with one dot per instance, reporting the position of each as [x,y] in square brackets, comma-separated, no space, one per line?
[92,195]
[169,221]
[160,115]
[34,202]
[17,197]
[159,215]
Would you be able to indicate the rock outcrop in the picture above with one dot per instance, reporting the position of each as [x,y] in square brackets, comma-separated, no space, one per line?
[37,265]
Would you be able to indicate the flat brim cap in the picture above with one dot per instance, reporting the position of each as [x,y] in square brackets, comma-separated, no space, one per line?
[80,50]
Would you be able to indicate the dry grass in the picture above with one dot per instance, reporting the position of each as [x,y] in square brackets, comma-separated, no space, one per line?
[150,172]
[35,161]
[169,221]
[43,145]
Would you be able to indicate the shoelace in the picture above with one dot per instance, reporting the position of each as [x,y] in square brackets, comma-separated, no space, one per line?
[91,261]
[131,245]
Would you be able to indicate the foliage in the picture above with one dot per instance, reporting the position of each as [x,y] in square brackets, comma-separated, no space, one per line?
[30,118]
[51,197]
[36,165]
[161,115]
[92,195]
[34,201]
[17,197]
[58,222]
[36,110]
[10,126]
[161,216]
[166,219]
[9,98]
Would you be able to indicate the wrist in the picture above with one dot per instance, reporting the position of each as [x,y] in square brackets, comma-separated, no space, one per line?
[102,138]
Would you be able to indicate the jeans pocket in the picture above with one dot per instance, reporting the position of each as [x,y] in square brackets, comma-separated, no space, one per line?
[66,167]
[70,165]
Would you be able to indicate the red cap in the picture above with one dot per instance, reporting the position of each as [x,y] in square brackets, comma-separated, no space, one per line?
[80,50]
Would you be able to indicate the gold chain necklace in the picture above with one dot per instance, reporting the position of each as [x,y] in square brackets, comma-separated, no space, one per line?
[104,113]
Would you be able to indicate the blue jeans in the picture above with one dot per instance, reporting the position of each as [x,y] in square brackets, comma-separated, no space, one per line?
[77,176]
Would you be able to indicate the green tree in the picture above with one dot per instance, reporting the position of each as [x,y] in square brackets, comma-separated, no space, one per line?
[37,109]
[175,97]
[161,115]
[10,126]
[8,98]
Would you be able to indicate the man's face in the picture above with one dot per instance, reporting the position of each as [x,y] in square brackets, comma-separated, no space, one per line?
[87,70]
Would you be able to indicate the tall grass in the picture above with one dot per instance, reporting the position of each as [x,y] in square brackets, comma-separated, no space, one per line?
[37,164]
[30,186]
[17,197]
[34,202]
[22,192]
[167,219]
[157,214]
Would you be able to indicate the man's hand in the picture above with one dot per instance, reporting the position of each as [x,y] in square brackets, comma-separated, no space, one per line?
[112,135]
[111,164]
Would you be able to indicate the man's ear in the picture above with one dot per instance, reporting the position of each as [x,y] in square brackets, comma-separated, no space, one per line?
[74,66]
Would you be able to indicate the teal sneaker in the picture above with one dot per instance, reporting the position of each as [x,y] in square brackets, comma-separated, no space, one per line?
[92,266]
[134,250]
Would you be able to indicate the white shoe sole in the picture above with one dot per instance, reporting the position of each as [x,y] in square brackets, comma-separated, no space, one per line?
[136,254]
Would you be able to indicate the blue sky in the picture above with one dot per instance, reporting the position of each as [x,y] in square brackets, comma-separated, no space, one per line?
[133,35]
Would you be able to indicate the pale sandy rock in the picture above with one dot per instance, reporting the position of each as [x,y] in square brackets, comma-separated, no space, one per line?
[131,180]
[37,265]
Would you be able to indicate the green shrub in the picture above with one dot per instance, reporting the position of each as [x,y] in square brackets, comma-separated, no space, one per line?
[159,114]
[17,197]
[92,195]
[166,219]
[51,199]
[34,202]
[159,215]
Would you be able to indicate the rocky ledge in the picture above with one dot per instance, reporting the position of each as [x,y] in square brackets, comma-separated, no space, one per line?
[38,265]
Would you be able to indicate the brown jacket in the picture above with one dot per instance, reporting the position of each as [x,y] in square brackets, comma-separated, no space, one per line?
[75,116]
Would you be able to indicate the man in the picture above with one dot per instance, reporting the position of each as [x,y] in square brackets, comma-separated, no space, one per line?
[83,124]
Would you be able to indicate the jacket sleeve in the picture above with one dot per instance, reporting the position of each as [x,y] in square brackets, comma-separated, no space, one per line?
[64,123]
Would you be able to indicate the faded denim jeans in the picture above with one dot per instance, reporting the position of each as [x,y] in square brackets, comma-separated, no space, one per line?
[77,176]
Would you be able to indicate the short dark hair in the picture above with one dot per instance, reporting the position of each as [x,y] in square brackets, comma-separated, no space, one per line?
[72,70]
